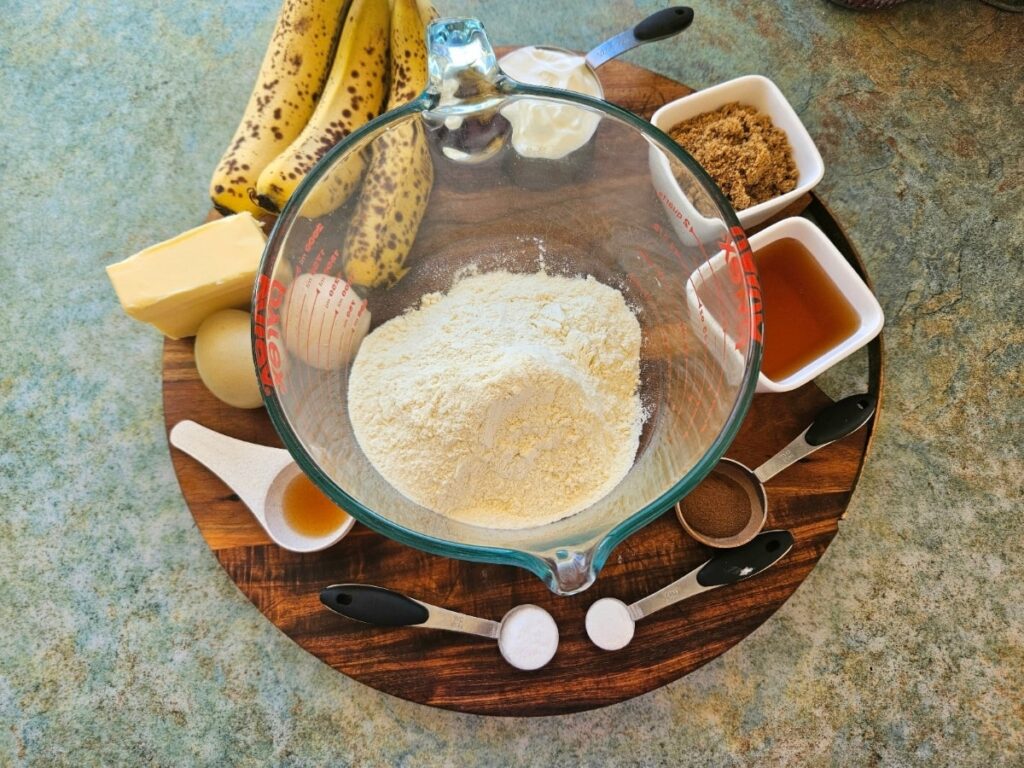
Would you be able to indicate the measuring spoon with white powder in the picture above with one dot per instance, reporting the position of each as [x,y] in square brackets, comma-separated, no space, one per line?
[527,636]
[611,623]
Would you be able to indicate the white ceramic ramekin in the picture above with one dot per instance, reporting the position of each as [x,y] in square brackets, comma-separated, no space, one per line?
[844,278]
[839,271]
[762,94]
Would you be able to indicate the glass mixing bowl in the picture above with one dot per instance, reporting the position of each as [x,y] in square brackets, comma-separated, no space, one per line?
[628,207]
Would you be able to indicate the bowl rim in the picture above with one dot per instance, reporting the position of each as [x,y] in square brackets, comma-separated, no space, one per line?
[717,96]
[541,564]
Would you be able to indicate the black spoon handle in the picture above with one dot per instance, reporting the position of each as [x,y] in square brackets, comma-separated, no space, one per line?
[841,419]
[664,23]
[374,605]
[758,554]
[387,608]
[657,26]
[833,422]
[726,567]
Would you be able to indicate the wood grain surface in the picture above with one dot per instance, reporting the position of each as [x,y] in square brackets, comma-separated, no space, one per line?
[467,673]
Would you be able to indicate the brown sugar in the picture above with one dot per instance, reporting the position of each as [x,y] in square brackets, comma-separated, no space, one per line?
[717,508]
[742,150]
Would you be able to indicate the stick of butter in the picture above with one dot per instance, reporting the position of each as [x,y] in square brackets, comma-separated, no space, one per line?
[178,283]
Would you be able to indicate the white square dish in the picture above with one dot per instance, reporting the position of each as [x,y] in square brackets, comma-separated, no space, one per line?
[838,270]
[844,277]
[762,94]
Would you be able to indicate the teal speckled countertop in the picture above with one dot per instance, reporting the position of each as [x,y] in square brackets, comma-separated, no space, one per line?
[123,643]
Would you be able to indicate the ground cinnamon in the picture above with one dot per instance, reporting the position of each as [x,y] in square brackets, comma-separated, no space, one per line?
[742,150]
[717,508]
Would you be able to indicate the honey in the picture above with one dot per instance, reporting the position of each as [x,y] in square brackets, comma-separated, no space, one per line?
[805,313]
[308,511]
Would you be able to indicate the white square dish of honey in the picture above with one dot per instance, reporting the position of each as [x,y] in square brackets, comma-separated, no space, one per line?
[817,310]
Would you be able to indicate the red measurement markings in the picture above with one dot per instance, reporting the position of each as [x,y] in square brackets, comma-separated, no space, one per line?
[269,295]
[743,273]
[667,240]
[320,331]
[331,291]
[646,258]
[678,215]
[700,315]
[319,265]
[314,235]
[291,316]
[711,387]
[332,261]
[352,314]
[300,264]
[315,266]
[688,226]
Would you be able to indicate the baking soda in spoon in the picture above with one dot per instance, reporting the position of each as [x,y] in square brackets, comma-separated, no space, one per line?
[527,636]
[610,622]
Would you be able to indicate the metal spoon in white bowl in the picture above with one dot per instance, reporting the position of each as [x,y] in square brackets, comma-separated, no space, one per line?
[657,26]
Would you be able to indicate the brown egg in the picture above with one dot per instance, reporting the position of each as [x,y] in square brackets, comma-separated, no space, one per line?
[324,320]
[223,354]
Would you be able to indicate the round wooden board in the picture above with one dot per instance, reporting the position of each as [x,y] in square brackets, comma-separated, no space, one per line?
[467,674]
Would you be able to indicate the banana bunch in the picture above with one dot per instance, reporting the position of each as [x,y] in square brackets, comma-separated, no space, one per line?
[304,102]
[354,94]
[294,116]
[400,175]
[286,93]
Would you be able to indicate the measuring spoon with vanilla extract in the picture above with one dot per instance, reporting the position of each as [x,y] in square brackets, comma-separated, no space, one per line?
[738,490]
[293,511]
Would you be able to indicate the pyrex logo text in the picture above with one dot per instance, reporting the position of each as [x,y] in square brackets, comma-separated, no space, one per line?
[269,297]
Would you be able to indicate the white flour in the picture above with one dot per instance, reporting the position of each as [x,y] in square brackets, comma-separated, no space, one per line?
[511,401]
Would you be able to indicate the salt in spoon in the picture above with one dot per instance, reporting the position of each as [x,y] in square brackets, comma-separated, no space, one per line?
[610,622]
[527,635]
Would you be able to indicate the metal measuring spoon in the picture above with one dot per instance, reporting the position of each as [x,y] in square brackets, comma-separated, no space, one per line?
[834,422]
[657,26]
[258,474]
[527,635]
[611,623]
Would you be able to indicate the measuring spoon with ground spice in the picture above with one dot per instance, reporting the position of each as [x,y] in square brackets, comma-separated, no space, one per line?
[731,505]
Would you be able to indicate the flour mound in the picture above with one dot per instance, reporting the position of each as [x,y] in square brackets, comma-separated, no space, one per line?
[509,402]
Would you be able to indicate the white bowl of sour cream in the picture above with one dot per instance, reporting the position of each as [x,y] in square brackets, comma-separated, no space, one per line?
[542,129]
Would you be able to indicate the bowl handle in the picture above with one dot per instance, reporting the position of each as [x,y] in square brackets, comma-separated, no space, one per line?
[462,65]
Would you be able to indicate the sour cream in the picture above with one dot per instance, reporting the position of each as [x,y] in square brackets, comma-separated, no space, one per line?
[541,128]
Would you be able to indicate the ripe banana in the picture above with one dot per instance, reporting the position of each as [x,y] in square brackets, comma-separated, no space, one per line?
[285,94]
[398,182]
[427,11]
[354,94]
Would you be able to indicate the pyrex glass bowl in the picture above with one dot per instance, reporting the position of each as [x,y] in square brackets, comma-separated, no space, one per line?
[608,209]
